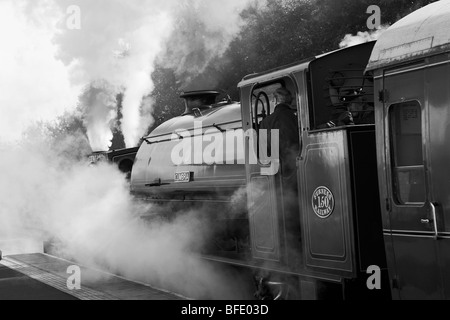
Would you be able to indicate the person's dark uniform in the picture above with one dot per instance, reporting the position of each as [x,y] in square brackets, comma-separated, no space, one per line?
[284,119]
[364,117]
[357,112]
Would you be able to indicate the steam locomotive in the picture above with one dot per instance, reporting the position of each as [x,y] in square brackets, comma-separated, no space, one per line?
[370,196]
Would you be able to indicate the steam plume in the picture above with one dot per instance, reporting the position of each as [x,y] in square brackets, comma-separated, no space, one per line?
[100,111]
[361,37]
[119,42]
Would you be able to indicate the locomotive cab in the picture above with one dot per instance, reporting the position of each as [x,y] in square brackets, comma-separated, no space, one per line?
[332,234]
[340,206]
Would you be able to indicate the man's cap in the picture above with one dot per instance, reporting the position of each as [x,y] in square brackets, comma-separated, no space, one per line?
[283,92]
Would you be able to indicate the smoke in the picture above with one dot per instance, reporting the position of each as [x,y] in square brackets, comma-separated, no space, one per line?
[51,60]
[89,213]
[33,84]
[119,42]
[99,114]
[361,37]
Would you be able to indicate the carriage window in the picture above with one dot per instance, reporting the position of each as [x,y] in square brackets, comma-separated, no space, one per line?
[408,171]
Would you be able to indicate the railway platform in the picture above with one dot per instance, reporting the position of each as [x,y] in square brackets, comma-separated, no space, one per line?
[40,276]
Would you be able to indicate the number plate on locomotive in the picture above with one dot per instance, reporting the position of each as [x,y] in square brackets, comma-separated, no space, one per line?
[183,176]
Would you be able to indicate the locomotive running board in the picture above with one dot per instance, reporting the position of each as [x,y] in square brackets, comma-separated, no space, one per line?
[259,265]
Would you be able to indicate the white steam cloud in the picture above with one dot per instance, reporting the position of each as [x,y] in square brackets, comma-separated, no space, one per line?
[361,37]
[34,85]
[89,213]
[117,42]
[46,61]
[120,41]
[99,109]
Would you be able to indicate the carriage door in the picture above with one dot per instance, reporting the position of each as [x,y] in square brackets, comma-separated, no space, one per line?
[412,215]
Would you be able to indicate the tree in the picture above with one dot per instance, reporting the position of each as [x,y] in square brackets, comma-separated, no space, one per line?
[166,96]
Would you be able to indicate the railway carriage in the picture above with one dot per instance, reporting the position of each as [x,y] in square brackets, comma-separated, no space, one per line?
[411,67]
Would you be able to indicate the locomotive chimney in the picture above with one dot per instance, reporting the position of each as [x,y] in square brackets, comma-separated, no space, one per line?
[199,100]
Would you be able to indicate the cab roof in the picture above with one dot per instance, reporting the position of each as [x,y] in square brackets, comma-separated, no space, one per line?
[422,33]
[293,67]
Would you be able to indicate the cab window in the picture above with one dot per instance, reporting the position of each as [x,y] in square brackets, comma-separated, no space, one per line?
[262,103]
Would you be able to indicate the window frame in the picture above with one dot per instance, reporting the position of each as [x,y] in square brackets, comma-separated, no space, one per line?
[396,168]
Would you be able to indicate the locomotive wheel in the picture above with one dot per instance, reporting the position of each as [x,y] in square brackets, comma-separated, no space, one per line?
[275,287]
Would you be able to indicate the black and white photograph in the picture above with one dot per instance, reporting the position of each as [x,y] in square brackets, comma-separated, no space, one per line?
[219,157]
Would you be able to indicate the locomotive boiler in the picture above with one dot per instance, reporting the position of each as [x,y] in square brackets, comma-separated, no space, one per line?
[371,194]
